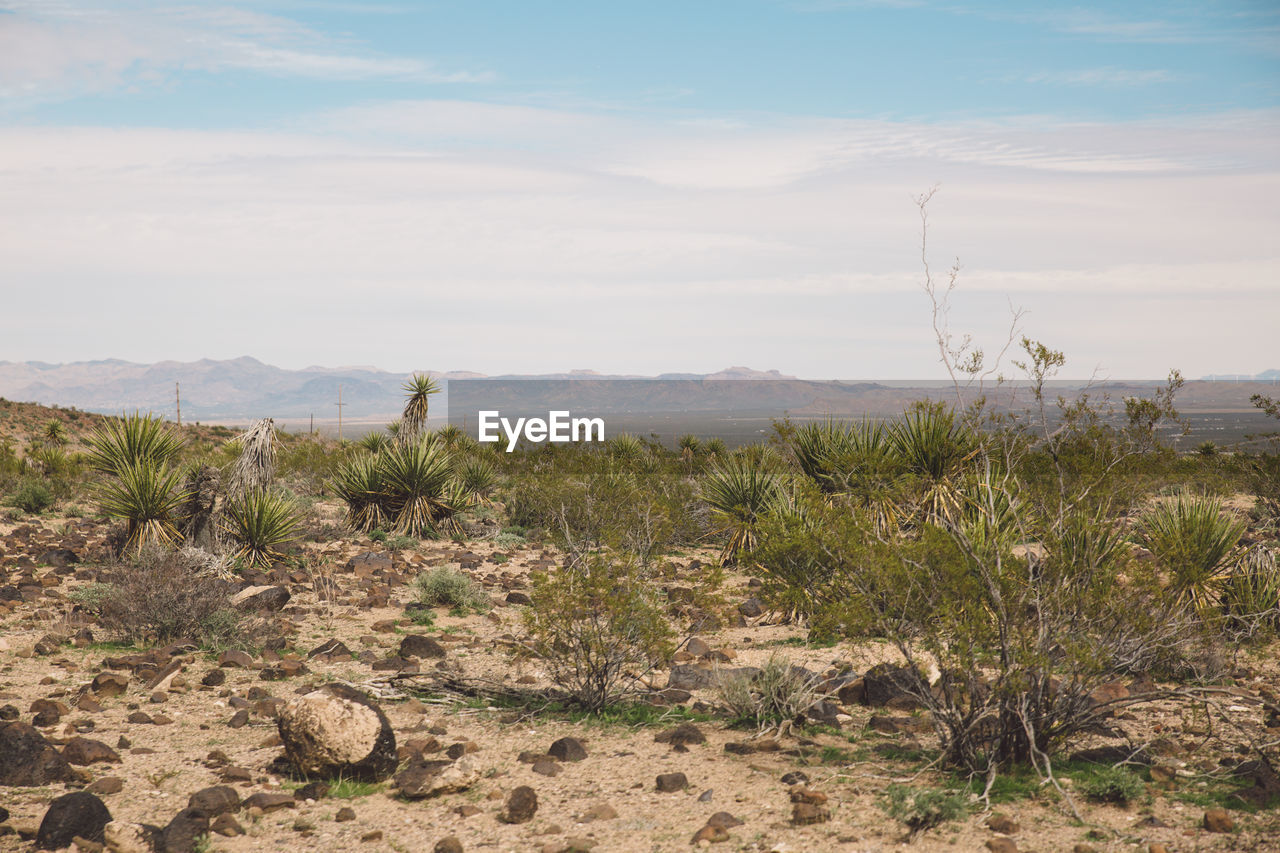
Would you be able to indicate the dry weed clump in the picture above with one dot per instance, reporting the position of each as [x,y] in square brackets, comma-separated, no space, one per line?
[163,596]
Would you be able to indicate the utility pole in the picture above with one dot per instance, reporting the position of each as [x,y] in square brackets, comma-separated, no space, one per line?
[340,405]
[177,398]
[312,430]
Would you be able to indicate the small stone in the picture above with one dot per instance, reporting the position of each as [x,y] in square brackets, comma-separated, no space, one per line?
[568,749]
[711,834]
[374,835]
[216,800]
[239,719]
[521,805]
[346,813]
[182,833]
[316,790]
[669,782]
[1002,845]
[1218,820]
[1003,824]
[83,752]
[547,767]
[109,684]
[684,734]
[214,678]
[448,845]
[804,814]
[419,646]
[106,786]
[269,802]
[600,811]
[227,826]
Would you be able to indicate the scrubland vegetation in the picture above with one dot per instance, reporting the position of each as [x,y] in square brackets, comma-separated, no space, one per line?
[1021,560]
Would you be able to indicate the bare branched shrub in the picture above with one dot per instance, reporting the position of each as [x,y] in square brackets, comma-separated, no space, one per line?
[166,595]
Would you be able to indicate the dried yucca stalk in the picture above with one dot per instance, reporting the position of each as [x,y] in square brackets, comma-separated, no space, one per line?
[255,468]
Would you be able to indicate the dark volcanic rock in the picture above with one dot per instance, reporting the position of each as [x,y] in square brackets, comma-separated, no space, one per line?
[669,782]
[27,759]
[183,831]
[521,805]
[219,799]
[568,749]
[418,646]
[83,751]
[337,731]
[78,813]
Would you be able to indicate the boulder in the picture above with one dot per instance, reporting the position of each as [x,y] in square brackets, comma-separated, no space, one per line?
[568,749]
[76,814]
[419,646]
[27,759]
[337,731]
[83,751]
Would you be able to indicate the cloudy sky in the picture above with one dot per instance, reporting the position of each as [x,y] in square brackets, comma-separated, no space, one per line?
[541,185]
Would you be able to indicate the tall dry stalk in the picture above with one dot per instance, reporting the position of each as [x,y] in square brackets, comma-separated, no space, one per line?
[255,468]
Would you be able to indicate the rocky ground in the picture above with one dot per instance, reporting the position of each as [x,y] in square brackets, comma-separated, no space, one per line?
[177,743]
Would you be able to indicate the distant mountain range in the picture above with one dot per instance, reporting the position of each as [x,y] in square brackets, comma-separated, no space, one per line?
[1264,376]
[247,388]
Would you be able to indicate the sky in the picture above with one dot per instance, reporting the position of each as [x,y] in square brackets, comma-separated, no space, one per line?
[638,187]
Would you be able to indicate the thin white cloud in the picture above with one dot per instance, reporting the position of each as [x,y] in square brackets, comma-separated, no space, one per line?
[54,49]
[1109,77]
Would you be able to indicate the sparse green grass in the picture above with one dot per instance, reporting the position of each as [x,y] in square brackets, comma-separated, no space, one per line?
[350,789]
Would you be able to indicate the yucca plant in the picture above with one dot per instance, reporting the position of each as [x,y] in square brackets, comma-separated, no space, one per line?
[362,485]
[132,440]
[688,446]
[259,521]
[148,497]
[815,445]
[451,436]
[413,421]
[1251,591]
[419,480]
[477,477]
[626,449]
[374,442]
[740,490]
[715,448]
[55,432]
[933,446]
[1191,539]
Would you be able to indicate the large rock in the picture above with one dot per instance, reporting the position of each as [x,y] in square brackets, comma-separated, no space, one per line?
[419,646]
[336,730]
[78,813]
[887,685]
[83,751]
[27,759]
[261,598]
[422,779]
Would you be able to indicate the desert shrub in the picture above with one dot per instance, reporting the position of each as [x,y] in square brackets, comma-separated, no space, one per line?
[777,694]
[587,500]
[378,535]
[598,628]
[401,543]
[448,587]
[259,522]
[920,809]
[374,442]
[1192,539]
[1012,582]
[362,486]
[509,540]
[308,463]
[1111,785]
[31,496]
[166,595]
